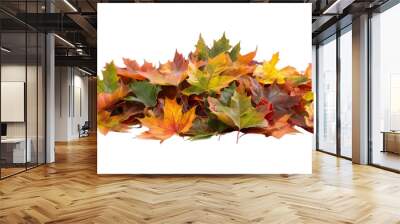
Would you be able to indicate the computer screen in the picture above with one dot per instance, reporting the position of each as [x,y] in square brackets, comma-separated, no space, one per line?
[3,129]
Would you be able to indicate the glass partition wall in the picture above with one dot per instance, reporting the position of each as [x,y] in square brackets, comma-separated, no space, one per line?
[334,94]
[22,77]
[385,89]
[345,92]
[327,95]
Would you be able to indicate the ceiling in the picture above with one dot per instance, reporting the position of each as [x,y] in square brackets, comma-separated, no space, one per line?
[75,22]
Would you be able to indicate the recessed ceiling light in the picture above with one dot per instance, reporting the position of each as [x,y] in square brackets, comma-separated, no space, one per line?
[64,40]
[70,5]
[84,71]
[5,50]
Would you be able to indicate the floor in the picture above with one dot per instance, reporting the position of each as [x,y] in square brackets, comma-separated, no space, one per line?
[387,159]
[70,191]
[5,172]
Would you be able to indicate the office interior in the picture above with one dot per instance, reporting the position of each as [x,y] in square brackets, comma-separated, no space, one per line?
[48,75]
[37,58]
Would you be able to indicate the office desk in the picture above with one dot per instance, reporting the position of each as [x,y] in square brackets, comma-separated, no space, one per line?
[391,141]
[15,148]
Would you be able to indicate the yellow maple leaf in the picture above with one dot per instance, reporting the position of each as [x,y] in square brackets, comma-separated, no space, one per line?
[174,121]
[268,73]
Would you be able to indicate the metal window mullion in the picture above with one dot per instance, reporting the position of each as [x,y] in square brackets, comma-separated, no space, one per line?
[26,87]
[338,95]
[316,96]
[0,95]
[369,89]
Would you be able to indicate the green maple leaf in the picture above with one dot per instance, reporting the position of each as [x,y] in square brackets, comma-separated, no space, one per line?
[109,83]
[227,93]
[238,113]
[209,79]
[219,46]
[145,93]
[202,49]
[234,54]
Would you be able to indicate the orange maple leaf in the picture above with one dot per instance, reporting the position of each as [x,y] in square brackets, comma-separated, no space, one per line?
[280,127]
[242,66]
[105,100]
[174,121]
[133,70]
[171,73]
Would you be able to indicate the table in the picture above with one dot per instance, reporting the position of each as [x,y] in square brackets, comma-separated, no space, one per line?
[391,141]
[17,150]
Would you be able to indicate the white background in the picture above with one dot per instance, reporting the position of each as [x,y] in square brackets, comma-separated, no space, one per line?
[153,32]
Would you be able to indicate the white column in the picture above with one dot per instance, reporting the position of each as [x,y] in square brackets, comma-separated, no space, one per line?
[50,93]
[360,90]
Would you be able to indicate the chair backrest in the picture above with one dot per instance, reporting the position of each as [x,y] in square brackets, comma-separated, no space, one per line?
[86,125]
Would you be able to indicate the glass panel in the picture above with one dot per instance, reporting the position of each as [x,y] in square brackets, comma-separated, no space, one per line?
[31,98]
[385,84]
[41,98]
[346,94]
[327,96]
[13,76]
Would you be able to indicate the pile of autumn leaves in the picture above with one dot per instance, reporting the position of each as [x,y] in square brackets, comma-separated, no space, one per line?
[215,91]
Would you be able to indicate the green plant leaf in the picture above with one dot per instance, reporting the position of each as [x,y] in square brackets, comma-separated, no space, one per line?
[234,54]
[145,92]
[219,46]
[109,83]
[227,94]
[210,80]
[238,113]
[202,49]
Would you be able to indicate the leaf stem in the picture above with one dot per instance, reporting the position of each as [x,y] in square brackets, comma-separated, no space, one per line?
[237,137]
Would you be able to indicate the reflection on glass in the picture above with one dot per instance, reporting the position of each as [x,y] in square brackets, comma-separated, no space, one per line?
[385,84]
[327,96]
[14,153]
[346,94]
[31,97]
[41,98]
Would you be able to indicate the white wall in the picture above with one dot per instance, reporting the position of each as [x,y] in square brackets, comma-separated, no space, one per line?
[70,83]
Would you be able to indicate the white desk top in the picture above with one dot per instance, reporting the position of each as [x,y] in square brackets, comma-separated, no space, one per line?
[12,140]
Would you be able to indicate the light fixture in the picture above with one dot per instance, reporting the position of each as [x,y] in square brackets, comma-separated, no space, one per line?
[84,71]
[5,50]
[337,7]
[65,41]
[70,5]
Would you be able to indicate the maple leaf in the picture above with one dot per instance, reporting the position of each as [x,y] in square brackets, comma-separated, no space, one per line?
[145,93]
[170,73]
[106,100]
[309,119]
[109,89]
[203,52]
[268,73]
[133,70]
[281,101]
[174,121]
[242,65]
[209,80]
[220,46]
[238,113]
[110,81]
[107,121]
[201,49]
[235,52]
[278,129]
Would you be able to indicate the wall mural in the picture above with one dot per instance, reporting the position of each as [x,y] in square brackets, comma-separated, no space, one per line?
[204,89]
[215,90]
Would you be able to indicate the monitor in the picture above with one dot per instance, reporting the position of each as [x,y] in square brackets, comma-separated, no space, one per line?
[3,129]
